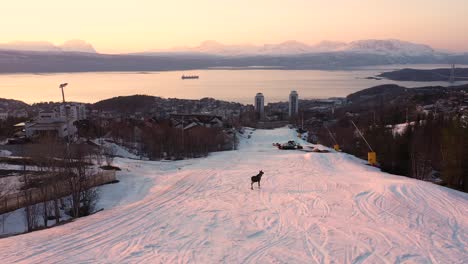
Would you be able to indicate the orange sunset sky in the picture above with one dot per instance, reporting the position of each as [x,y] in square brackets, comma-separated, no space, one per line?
[115,26]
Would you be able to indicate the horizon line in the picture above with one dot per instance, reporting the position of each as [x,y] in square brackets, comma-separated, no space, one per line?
[173,48]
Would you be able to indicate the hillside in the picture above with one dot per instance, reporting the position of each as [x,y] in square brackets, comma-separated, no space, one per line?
[312,208]
[10,104]
[381,91]
[153,104]
[391,92]
[126,104]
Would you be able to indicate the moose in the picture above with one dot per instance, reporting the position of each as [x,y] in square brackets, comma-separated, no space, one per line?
[256,178]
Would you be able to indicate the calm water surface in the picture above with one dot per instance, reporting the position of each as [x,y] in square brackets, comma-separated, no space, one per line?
[232,85]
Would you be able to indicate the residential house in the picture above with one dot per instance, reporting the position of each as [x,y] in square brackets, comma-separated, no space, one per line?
[188,121]
[55,122]
[3,116]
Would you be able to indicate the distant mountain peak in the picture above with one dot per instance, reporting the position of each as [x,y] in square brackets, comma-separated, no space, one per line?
[291,42]
[389,47]
[44,46]
[328,45]
[29,46]
[77,45]
[210,43]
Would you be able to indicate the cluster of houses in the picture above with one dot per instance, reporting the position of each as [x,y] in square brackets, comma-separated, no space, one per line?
[58,122]
[12,109]
[189,121]
[453,104]
[163,109]
[18,113]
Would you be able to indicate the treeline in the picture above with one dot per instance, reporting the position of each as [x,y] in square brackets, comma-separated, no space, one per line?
[174,143]
[160,140]
[431,147]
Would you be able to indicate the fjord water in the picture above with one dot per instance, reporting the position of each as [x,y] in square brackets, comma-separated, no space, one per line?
[226,84]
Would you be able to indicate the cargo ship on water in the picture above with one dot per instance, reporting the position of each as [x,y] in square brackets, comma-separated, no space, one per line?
[190,77]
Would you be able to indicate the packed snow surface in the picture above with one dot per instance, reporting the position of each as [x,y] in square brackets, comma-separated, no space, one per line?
[312,208]
[115,149]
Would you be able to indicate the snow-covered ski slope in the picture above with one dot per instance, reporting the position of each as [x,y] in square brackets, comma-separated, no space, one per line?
[312,208]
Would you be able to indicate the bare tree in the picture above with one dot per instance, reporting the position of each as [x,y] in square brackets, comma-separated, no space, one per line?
[80,175]
[48,153]
[56,170]
[31,209]
[420,165]
[89,198]
[3,200]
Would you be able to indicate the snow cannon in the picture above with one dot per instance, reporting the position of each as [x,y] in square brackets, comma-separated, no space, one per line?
[372,158]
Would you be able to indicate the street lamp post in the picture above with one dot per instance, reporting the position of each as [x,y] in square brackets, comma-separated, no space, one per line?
[61,86]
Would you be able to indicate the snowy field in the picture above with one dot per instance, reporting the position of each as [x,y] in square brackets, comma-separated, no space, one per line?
[312,208]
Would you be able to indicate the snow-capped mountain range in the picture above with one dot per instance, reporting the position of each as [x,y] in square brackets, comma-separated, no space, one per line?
[35,56]
[44,46]
[391,47]
[387,47]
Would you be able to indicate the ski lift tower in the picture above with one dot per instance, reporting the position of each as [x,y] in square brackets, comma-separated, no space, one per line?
[452,74]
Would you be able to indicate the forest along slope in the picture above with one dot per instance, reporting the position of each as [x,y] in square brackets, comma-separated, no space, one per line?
[312,208]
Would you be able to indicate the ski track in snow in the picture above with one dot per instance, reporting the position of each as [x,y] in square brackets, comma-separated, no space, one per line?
[312,208]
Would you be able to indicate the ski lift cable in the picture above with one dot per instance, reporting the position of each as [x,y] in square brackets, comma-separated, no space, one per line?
[331,135]
[359,131]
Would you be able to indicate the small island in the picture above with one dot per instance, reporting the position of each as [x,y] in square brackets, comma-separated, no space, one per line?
[431,75]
